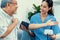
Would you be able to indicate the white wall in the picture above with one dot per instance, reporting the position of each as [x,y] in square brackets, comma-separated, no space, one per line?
[24,6]
[57,12]
[0,2]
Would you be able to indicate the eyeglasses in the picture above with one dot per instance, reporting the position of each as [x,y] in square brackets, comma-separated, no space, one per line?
[13,3]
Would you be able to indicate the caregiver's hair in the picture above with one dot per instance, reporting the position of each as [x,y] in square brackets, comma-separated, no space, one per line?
[50,4]
[4,3]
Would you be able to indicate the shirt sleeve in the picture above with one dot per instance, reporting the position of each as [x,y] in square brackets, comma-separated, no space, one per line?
[55,28]
[3,27]
[31,22]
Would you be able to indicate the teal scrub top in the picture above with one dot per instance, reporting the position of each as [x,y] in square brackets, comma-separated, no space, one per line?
[39,33]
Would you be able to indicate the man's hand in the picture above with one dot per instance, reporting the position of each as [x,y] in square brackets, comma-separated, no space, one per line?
[23,27]
[15,20]
[50,23]
[10,28]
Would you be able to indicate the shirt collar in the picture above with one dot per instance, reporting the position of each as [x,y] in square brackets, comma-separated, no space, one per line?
[46,19]
[5,14]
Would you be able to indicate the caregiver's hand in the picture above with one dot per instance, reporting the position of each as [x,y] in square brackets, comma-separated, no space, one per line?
[53,37]
[51,23]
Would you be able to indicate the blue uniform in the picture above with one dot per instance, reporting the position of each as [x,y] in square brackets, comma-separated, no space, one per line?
[39,33]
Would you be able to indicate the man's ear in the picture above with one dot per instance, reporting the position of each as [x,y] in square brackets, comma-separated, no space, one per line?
[8,4]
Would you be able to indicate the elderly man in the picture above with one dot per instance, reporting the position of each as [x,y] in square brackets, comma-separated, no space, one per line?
[9,24]
[8,29]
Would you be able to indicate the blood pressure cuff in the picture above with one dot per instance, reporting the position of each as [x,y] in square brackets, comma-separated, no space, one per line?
[25,24]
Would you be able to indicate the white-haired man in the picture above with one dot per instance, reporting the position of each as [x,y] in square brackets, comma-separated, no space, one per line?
[8,30]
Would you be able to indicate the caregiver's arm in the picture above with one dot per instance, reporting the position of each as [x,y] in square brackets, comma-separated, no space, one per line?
[48,23]
[34,26]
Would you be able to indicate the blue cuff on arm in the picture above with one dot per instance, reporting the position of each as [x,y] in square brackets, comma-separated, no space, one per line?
[25,24]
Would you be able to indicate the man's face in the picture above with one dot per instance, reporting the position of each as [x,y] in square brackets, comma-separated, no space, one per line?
[13,6]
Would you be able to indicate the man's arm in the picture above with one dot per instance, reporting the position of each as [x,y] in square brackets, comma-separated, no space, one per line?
[10,28]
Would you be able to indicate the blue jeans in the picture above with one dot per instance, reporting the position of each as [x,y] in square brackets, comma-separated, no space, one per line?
[23,35]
